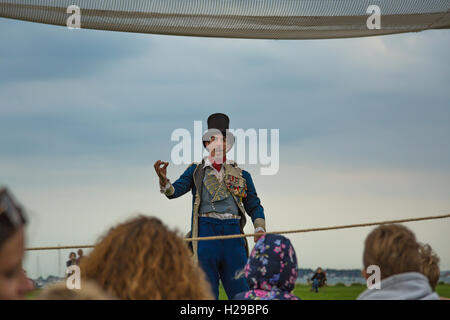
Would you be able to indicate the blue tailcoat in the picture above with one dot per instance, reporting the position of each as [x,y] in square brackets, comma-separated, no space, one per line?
[219,258]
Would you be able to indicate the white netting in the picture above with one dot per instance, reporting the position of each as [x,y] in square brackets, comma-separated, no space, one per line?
[270,19]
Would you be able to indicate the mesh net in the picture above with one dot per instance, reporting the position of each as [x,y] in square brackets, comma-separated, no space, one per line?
[269,19]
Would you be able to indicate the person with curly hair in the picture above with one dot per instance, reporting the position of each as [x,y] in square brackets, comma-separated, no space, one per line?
[430,266]
[141,259]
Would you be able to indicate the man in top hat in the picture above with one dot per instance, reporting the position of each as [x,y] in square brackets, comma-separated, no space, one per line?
[223,194]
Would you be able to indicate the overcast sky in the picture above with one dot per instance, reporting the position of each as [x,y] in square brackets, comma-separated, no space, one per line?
[364,131]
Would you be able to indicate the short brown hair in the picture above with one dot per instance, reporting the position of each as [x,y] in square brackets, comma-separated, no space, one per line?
[394,249]
[430,265]
[142,259]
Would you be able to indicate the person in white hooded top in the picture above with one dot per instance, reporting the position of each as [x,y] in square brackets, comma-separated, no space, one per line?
[394,249]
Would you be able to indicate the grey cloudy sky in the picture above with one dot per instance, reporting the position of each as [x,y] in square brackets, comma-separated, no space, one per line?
[364,131]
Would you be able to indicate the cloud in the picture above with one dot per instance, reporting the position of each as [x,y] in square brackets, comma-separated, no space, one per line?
[354,100]
[84,114]
[42,52]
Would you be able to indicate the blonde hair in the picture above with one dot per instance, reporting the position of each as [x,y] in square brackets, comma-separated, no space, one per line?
[394,249]
[59,291]
[142,259]
[430,265]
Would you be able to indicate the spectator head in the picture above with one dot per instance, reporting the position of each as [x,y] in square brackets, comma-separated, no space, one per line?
[13,281]
[430,265]
[80,253]
[72,256]
[142,259]
[59,291]
[272,264]
[394,249]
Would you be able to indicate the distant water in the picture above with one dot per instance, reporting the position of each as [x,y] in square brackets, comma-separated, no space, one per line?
[304,275]
[332,280]
[445,279]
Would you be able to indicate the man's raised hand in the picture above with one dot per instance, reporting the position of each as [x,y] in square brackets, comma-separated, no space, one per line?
[161,171]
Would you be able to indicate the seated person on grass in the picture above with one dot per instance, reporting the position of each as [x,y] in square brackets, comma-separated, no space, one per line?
[319,279]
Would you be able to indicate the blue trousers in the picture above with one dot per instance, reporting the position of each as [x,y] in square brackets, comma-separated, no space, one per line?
[316,285]
[222,259]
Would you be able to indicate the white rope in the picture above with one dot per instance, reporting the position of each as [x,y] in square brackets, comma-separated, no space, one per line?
[233,236]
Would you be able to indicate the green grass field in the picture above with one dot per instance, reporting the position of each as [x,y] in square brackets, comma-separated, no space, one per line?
[339,292]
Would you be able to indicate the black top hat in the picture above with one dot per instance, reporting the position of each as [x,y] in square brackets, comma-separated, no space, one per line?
[219,122]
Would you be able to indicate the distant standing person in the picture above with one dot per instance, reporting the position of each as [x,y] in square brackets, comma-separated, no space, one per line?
[30,283]
[80,256]
[72,259]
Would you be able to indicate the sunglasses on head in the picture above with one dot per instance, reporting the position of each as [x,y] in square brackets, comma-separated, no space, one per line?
[11,215]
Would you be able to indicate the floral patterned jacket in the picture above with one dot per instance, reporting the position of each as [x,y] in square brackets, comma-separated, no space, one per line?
[271,270]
